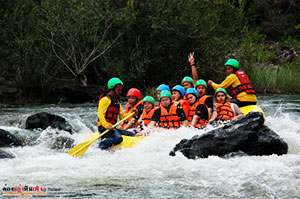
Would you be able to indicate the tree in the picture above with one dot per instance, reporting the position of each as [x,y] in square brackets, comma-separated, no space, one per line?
[80,32]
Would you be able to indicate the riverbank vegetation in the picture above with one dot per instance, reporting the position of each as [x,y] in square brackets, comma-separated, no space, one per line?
[46,44]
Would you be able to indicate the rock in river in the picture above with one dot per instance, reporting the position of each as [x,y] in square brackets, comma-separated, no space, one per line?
[247,134]
[43,120]
[8,139]
[4,154]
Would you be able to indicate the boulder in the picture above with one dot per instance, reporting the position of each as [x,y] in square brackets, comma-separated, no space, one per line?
[7,139]
[43,120]
[4,154]
[247,135]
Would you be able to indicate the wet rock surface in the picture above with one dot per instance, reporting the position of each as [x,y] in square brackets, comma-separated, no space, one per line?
[247,135]
[42,120]
[4,154]
[7,139]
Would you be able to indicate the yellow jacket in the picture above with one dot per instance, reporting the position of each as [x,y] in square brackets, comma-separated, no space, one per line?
[233,80]
[102,107]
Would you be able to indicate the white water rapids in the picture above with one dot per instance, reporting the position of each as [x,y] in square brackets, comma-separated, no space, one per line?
[147,170]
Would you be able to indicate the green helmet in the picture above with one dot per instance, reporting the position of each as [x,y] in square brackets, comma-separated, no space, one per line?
[113,82]
[187,79]
[165,94]
[233,62]
[149,99]
[201,82]
[221,90]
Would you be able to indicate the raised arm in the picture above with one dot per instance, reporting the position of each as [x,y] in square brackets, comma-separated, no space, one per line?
[192,64]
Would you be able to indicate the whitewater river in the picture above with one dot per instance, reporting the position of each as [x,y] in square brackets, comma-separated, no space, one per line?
[147,171]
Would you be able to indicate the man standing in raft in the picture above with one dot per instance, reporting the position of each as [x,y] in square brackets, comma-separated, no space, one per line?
[241,89]
[109,108]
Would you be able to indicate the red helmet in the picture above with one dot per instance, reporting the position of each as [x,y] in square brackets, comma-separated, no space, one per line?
[134,92]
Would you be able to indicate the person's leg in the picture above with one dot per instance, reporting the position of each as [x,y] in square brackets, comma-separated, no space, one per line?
[112,138]
[124,132]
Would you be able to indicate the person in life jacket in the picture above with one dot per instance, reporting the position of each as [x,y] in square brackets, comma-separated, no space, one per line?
[159,89]
[187,82]
[226,110]
[194,106]
[201,87]
[169,115]
[109,108]
[134,102]
[178,93]
[147,113]
[237,81]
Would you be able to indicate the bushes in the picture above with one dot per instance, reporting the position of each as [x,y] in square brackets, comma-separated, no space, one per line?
[145,43]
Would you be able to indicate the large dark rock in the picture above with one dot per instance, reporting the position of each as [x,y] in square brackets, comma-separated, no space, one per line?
[7,139]
[248,135]
[4,154]
[43,120]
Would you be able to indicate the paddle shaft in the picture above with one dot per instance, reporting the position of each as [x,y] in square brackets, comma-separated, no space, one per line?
[116,124]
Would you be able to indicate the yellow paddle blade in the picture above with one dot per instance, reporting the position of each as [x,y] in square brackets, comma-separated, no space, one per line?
[80,149]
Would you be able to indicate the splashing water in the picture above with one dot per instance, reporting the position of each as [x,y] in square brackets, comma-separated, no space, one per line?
[146,170]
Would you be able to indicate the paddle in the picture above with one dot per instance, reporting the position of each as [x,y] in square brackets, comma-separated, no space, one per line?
[81,148]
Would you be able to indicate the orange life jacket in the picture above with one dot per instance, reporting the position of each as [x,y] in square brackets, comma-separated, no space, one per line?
[169,119]
[127,110]
[147,117]
[192,111]
[224,111]
[245,85]
[203,99]
[112,111]
[185,106]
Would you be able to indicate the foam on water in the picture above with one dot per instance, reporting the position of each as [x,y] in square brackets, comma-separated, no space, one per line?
[147,170]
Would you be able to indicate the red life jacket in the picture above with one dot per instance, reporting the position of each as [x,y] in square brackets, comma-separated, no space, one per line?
[112,111]
[192,111]
[127,110]
[224,111]
[147,117]
[245,85]
[169,119]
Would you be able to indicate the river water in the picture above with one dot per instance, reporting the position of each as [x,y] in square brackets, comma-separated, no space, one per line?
[147,171]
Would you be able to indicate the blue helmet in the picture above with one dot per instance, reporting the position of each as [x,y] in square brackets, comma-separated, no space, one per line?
[163,87]
[192,91]
[180,89]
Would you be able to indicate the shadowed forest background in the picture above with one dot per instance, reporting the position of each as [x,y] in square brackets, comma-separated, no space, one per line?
[50,44]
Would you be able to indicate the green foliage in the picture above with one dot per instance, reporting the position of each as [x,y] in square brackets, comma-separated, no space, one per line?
[145,43]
